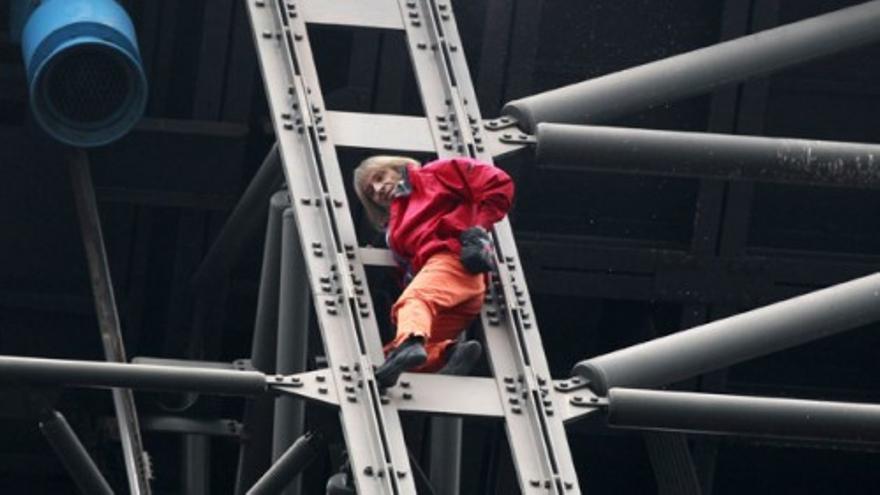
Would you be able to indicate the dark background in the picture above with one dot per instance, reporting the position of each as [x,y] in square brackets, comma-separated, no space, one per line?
[610,259]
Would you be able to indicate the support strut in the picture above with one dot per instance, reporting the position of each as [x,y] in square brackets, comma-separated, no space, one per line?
[741,415]
[700,71]
[729,341]
[717,156]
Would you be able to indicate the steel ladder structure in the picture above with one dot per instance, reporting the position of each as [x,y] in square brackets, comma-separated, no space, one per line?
[521,393]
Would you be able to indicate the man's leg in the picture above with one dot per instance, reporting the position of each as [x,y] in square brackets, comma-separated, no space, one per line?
[431,311]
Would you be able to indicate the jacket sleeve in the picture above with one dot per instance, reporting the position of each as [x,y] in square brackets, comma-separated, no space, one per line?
[488,187]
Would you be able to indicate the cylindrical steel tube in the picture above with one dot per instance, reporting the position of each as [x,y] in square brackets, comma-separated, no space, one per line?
[697,154]
[297,457]
[255,455]
[741,415]
[242,221]
[74,456]
[729,341]
[136,376]
[700,71]
[293,339]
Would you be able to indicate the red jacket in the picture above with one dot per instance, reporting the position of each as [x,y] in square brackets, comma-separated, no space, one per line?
[439,201]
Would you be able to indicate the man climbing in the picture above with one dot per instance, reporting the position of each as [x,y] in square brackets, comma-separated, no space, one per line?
[436,218]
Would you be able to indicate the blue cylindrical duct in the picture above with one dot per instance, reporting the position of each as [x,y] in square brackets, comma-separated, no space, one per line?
[87,84]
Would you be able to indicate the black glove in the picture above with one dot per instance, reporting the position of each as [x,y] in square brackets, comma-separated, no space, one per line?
[476,250]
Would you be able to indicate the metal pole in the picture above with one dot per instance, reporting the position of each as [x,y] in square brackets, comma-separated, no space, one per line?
[293,340]
[73,455]
[242,221]
[697,154]
[196,464]
[255,455]
[294,460]
[700,71]
[729,341]
[97,374]
[741,415]
[446,455]
[108,318]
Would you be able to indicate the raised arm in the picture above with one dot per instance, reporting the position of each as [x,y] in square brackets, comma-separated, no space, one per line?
[489,187]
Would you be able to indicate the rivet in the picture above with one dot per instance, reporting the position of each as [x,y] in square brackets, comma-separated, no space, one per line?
[322,390]
[568,485]
[534,482]
[401,474]
[404,384]
[407,395]
[298,37]
[516,409]
[267,34]
[321,378]
[368,470]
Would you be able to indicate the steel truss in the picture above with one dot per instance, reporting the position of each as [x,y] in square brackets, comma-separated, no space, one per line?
[520,392]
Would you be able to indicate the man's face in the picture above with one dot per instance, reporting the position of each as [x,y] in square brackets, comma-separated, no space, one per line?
[381,184]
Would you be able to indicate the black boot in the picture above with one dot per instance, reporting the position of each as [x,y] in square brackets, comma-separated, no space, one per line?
[410,354]
[463,356]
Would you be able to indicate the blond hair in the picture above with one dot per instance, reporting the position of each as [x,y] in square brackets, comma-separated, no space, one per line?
[376,213]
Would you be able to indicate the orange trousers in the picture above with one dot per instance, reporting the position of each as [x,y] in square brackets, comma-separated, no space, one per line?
[439,303]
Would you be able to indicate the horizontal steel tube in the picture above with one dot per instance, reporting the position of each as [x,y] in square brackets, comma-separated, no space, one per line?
[742,415]
[73,455]
[136,376]
[695,154]
[288,466]
[700,71]
[729,341]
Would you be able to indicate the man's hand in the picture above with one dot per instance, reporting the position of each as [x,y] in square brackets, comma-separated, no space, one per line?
[476,250]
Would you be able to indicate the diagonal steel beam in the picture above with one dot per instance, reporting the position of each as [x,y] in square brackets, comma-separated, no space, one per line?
[700,71]
[729,341]
[136,463]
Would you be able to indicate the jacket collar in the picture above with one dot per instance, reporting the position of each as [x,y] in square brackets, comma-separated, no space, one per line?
[404,187]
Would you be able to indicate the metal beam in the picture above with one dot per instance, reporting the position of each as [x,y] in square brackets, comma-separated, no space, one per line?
[294,460]
[732,340]
[379,14]
[241,223]
[97,374]
[742,415]
[699,154]
[255,455]
[73,455]
[700,71]
[108,318]
[381,132]
[293,340]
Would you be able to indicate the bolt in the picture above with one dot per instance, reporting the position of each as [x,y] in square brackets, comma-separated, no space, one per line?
[298,37]
[514,400]
[351,398]
[421,45]
[508,379]
[534,482]
[260,3]
[568,485]
[322,390]
[321,378]
[368,470]
[401,474]
[267,34]
[516,410]
[404,384]
[407,396]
